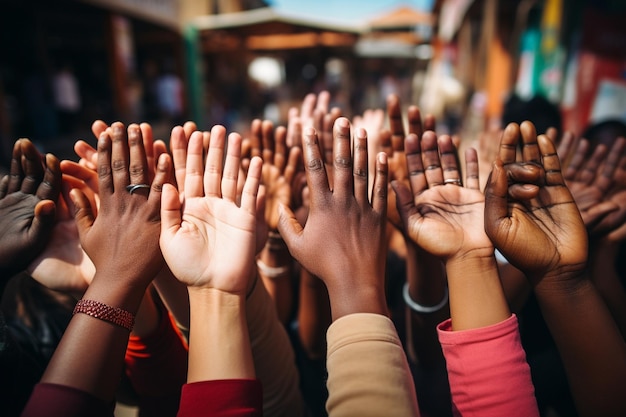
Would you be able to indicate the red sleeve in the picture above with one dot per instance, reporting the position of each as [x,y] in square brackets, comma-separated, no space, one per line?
[156,366]
[52,400]
[487,370]
[222,398]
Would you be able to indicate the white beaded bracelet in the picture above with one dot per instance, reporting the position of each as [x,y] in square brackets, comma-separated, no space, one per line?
[271,271]
[418,308]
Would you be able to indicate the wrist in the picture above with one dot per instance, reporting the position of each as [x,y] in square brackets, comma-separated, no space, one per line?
[360,298]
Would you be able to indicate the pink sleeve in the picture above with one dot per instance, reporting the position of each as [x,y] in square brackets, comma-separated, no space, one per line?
[222,398]
[487,370]
[53,400]
[156,366]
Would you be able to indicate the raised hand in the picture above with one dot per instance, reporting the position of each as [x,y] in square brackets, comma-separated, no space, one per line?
[442,216]
[210,241]
[538,228]
[28,197]
[342,241]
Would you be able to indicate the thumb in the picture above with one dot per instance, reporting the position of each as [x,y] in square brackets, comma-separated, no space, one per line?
[404,201]
[83,213]
[171,216]
[496,202]
[290,229]
[45,215]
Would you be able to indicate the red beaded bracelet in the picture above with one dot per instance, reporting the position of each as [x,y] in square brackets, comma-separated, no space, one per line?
[104,312]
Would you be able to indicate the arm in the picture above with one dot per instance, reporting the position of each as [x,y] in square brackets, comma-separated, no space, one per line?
[539,230]
[445,218]
[209,245]
[341,228]
[123,244]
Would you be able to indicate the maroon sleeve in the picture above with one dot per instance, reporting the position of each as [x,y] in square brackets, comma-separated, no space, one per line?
[52,400]
[222,398]
[156,366]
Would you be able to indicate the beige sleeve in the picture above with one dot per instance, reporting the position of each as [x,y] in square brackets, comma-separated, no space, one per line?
[274,359]
[368,373]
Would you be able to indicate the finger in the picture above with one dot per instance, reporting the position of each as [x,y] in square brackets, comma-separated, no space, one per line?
[14,182]
[605,180]
[318,120]
[550,161]
[306,110]
[4,186]
[508,144]
[120,157]
[213,170]
[231,167]
[138,164]
[295,156]
[432,164]
[105,175]
[98,127]
[565,145]
[380,189]
[162,176]
[590,169]
[280,155]
[68,183]
[294,128]
[288,226]
[316,176]
[472,169]
[523,191]
[250,192]
[45,216]
[87,152]
[32,167]
[595,217]
[430,123]
[194,168]
[525,174]
[530,150]
[256,137]
[575,165]
[449,158]
[88,176]
[83,214]
[323,101]
[415,121]
[171,216]
[267,134]
[148,145]
[50,187]
[189,127]
[342,160]
[404,202]
[327,136]
[159,147]
[360,170]
[414,164]
[396,125]
[496,201]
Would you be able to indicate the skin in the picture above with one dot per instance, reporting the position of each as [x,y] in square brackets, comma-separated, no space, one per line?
[28,199]
[122,242]
[539,229]
[209,244]
[445,220]
[342,224]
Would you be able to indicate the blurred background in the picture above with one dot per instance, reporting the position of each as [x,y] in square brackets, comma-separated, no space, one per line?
[473,64]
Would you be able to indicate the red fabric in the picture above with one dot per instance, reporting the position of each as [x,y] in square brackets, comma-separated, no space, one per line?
[487,370]
[156,366]
[222,398]
[52,400]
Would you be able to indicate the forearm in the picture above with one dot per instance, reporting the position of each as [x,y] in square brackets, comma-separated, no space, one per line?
[426,282]
[313,315]
[606,279]
[274,266]
[366,348]
[219,346]
[476,295]
[590,344]
[274,359]
[174,295]
[90,355]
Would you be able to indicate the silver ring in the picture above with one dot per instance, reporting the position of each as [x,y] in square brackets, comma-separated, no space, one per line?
[134,187]
[454,181]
